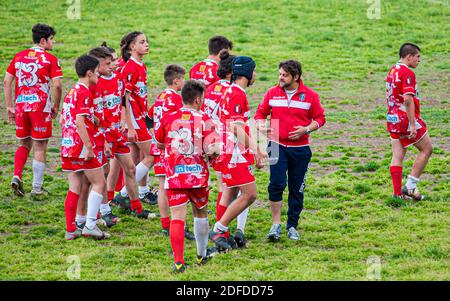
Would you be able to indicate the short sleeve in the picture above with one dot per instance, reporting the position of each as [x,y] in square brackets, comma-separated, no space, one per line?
[11,70]
[129,78]
[83,104]
[55,68]
[160,135]
[409,83]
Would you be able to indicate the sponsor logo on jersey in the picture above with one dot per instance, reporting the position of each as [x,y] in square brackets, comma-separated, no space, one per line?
[32,98]
[185,116]
[32,53]
[392,118]
[67,142]
[217,88]
[202,68]
[188,168]
[112,101]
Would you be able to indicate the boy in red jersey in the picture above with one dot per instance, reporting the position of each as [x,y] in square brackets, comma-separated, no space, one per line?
[211,106]
[32,111]
[206,70]
[134,76]
[174,77]
[77,150]
[404,123]
[238,148]
[186,137]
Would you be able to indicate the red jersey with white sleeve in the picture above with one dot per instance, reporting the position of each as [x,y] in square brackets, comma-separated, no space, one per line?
[78,101]
[234,108]
[301,109]
[33,68]
[167,102]
[110,89]
[400,81]
[120,64]
[172,102]
[185,134]
[134,76]
[205,71]
[213,96]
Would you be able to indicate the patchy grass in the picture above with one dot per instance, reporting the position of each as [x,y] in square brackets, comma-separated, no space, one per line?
[349,214]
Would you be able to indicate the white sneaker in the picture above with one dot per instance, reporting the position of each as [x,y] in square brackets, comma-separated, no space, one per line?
[95,233]
[293,234]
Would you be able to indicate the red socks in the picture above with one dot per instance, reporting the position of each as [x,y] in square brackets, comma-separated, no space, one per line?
[219,197]
[136,206]
[165,222]
[70,208]
[220,210]
[19,160]
[110,196]
[177,239]
[120,182]
[396,175]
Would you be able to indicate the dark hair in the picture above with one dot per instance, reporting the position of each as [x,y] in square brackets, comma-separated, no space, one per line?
[42,31]
[292,67]
[217,43]
[225,64]
[100,53]
[85,63]
[172,72]
[407,49]
[110,49]
[191,90]
[125,43]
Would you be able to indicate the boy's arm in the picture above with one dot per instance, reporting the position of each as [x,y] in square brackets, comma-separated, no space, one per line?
[410,109]
[57,93]
[132,136]
[238,129]
[7,87]
[81,130]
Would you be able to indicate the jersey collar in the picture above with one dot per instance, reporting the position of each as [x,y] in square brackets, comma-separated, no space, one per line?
[81,84]
[239,87]
[136,61]
[210,61]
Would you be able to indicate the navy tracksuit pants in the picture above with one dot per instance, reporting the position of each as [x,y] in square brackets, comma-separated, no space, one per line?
[288,165]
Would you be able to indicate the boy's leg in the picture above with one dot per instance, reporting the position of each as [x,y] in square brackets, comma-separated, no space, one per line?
[163,205]
[70,204]
[82,201]
[20,159]
[201,229]
[398,154]
[97,179]
[177,235]
[39,150]
[425,150]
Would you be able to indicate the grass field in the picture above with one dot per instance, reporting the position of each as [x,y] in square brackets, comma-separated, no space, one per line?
[349,220]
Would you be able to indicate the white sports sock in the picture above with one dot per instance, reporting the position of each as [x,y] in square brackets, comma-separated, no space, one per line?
[201,235]
[38,174]
[218,227]
[124,192]
[141,171]
[143,190]
[242,219]
[105,209]
[80,219]
[411,183]
[94,202]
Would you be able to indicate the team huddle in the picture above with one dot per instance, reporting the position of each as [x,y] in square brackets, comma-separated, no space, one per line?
[112,137]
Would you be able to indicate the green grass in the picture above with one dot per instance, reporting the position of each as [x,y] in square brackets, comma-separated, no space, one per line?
[348,216]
